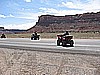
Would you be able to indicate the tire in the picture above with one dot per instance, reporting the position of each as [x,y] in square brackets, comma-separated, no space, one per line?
[71,43]
[63,43]
[31,38]
[3,36]
[38,38]
[58,43]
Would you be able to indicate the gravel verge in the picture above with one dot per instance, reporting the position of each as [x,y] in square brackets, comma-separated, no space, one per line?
[27,62]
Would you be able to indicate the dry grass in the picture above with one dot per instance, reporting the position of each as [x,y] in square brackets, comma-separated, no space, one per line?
[28,35]
[89,35]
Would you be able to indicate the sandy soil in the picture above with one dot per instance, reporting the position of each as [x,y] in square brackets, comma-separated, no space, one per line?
[22,62]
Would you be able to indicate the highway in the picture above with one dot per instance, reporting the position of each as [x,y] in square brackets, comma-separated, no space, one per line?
[86,46]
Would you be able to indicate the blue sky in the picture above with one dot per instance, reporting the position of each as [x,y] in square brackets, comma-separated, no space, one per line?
[23,14]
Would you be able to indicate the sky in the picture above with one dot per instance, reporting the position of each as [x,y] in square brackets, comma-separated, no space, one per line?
[23,14]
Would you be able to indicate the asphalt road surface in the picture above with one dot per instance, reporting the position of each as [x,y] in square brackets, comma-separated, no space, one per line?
[86,46]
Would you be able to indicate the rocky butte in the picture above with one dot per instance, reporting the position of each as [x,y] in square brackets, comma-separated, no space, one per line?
[78,22]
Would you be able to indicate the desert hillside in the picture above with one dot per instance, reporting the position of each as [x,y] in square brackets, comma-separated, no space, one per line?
[78,22]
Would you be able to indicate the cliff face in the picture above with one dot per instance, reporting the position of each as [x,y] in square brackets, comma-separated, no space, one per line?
[78,22]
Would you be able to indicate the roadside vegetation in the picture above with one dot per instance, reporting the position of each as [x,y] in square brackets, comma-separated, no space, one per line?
[77,35]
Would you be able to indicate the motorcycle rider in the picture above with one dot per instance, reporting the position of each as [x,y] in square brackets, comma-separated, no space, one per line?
[66,33]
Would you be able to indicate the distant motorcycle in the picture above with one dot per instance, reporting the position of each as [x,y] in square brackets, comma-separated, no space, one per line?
[35,36]
[3,36]
[65,40]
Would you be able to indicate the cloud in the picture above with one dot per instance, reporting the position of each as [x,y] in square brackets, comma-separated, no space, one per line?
[11,15]
[90,5]
[32,17]
[27,15]
[19,26]
[48,10]
[3,16]
[46,1]
[69,4]
[56,12]
[73,7]
[28,0]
